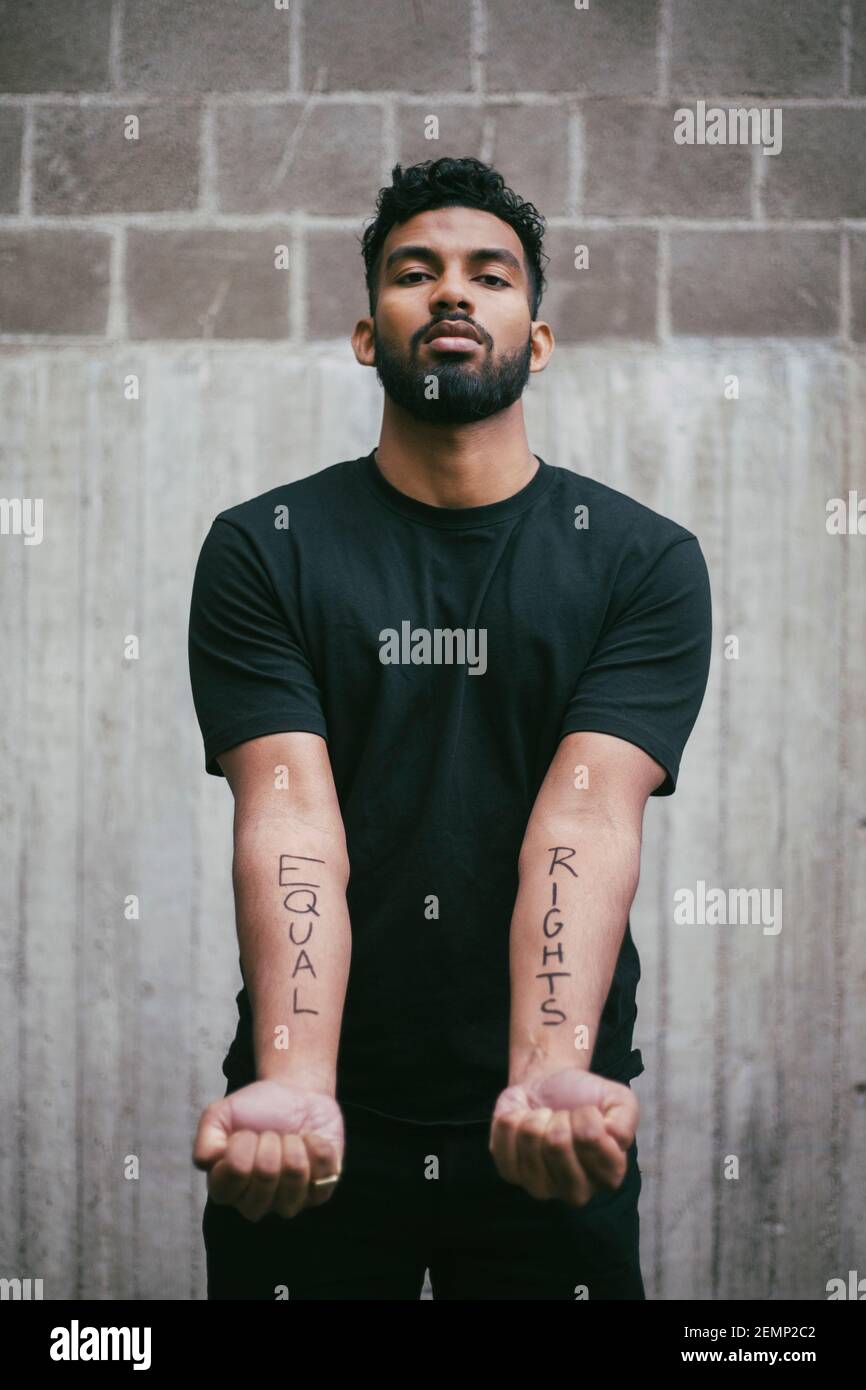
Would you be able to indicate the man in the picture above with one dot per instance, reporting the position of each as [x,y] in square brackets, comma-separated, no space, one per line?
[442,680]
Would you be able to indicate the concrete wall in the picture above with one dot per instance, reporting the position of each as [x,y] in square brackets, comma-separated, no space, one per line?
[154,259]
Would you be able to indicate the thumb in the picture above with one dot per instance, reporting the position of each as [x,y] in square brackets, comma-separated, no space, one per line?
[212,1135]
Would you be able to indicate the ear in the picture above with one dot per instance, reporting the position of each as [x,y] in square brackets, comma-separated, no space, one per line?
[363,342]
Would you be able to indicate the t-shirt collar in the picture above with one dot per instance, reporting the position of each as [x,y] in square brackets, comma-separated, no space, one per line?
[456,517]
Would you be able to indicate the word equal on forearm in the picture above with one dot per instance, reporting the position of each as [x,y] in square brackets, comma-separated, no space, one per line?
[549,1005]
[299,887]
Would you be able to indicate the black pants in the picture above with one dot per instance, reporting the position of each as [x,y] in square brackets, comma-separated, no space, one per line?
[390,1219]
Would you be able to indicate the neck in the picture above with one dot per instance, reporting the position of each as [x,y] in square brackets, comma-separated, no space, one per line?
[459,465]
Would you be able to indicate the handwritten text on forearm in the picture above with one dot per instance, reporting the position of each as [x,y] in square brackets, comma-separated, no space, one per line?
[551,930]
[300,902]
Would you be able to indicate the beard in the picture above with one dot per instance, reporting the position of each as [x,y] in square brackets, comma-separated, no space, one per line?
[467,392]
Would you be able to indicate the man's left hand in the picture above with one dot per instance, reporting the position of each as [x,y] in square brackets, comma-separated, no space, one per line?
[564,1135]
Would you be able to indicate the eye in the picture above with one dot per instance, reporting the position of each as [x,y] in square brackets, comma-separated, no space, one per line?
[404,278]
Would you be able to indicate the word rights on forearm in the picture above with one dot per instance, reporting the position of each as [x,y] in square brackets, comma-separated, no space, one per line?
[566,932]
[552,928]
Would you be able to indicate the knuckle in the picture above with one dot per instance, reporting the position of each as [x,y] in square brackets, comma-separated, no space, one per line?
[321,1148]
[529,1133]
[294,1169]
[559,1144]
[588,1128]
[510,1120]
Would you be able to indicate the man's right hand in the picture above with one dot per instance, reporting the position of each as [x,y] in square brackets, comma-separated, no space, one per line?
[264,1146]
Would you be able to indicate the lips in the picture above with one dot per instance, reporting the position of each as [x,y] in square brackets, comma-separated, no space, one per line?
[453,328]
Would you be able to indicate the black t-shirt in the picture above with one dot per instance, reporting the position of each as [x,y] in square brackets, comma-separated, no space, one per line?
[565,607]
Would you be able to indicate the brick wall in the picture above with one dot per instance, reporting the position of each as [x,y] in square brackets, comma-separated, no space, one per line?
[265,123]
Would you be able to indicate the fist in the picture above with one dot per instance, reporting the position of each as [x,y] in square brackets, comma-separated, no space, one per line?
[265,1148]
[564,1135]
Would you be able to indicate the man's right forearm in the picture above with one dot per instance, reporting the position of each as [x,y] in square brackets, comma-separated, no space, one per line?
[290,881]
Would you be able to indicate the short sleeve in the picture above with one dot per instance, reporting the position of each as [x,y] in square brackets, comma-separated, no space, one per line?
[249,673]
[647,674]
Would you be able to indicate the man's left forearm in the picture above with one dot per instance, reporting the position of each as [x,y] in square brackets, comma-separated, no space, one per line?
[577,883]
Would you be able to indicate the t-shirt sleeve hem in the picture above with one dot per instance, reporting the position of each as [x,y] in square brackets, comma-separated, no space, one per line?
[662,753]
[230,737]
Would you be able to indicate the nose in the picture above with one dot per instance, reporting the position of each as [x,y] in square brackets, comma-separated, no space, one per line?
[451,291]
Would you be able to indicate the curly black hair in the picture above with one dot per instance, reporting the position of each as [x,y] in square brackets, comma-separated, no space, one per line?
[453,183]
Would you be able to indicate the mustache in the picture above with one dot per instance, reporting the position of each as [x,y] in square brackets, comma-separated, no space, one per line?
[451,318]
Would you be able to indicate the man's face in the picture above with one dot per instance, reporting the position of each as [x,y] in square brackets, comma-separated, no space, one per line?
[466,267]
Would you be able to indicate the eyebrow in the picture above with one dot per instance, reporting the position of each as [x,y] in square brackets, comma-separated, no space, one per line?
[426,253]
